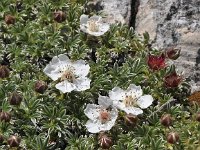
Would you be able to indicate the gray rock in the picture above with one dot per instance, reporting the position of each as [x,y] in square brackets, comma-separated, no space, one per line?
[116,11]
[174,23]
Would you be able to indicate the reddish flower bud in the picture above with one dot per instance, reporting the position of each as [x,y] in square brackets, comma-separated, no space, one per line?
[40,87]
[173,53]
[156,62]
[14,141]
[130,120]
[4,71]
[105,142]
[198,117]
[1,139]
[9,19]
[166,120]
[172,137]
[15,99]
[172,80]
[59,16]
[5,116]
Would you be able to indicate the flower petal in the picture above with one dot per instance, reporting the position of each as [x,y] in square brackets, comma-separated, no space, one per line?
[81,68]
[119,104]
[104,101]
[94,33]
[63,59]
[54,67]
[114,114]
[133,89]
[109,124]
[104,27]
[133,110]
[52,72]
[82,84]
[84,19]
[92,127]
[65,86]
[92,111]
[83,28]
[145,101]
[95,18]
[116,94]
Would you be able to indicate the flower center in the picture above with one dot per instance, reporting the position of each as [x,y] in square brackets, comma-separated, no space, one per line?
[104,116]
[67,73]
[93,26]
[130,100]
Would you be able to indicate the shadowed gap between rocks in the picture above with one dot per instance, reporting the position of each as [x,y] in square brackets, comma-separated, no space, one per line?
[134,9]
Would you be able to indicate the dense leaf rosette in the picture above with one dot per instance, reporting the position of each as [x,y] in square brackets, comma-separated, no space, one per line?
[72,75]
[93,25]
[102,117]
[131,100]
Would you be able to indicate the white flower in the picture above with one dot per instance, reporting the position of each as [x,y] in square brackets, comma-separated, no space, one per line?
[131,100]
[72,75]
[102,117]
[93,25]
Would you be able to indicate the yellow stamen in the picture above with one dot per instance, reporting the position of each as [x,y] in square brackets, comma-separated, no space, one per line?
[93,26]
[67,73]
[130,100]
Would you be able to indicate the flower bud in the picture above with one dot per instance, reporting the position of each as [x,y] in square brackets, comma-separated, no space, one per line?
[173,53]
[15,98]
[105,142]
[5,116]
[14,141]
[156,62]
[1,139]
[130,120]
[172,137]
[198,116]
[59,16]
[166,120]
[40,87]
[4,71]
[9,19]
[172,80]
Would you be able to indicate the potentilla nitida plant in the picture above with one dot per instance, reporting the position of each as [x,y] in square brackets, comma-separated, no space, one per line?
[100,79]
